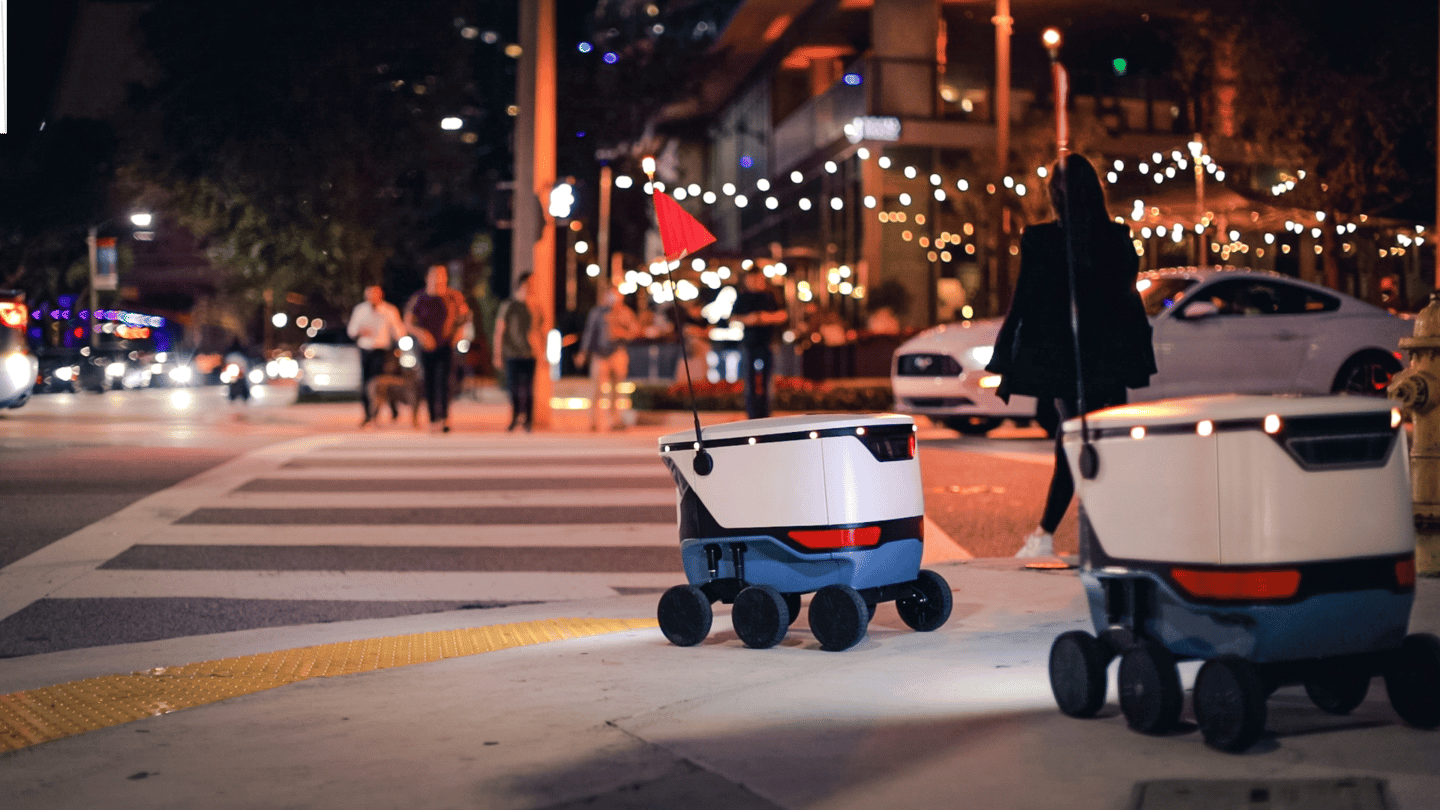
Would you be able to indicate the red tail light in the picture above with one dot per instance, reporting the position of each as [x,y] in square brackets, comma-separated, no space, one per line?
[837,538]
[1405,572]
[1272,584]
[12,314]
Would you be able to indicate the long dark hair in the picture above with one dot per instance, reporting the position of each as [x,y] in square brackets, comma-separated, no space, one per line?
[1079,202]
[1086,197]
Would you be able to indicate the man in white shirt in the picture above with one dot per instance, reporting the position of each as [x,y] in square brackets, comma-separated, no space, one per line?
[376,327]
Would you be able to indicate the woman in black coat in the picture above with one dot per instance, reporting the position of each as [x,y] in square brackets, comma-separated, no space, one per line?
[1035,350]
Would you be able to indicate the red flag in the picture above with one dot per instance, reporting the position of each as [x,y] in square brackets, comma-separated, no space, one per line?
[679,232]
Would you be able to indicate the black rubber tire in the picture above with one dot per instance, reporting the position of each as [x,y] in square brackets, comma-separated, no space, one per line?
[972,425]
[1047,417]
[1149,684]
[685,615]
[1116,641]
[930,610]
[760,617]
[1413,681]
[1367,373]
[792,604]
[1077,673]
[838,616]
[1229,703]
[1338,689]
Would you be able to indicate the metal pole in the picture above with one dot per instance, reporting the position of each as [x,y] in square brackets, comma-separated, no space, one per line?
[534,179]
[602,231]
[94,294]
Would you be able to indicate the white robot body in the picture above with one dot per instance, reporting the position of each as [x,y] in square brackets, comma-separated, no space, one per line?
[775,508]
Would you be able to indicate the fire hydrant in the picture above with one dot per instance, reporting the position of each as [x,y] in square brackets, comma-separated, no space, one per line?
[1418,390]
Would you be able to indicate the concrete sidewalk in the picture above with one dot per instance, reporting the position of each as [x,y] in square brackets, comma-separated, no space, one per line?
[961,717]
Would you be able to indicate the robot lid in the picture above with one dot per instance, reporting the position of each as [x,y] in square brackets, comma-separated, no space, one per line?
[781,426]
[1226,408]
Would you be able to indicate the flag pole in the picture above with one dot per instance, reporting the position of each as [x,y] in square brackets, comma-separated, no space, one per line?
[703,463]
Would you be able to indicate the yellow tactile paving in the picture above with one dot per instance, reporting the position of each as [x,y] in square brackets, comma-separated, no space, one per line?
[52,712]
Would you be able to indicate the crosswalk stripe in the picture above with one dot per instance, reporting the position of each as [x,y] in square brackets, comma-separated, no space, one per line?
[580,534]
[567,498]
[381,586]
[393,471]
[467,483]
[534,559]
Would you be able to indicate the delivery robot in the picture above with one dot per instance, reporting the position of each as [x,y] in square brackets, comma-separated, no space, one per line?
[771,509]
[1270,537]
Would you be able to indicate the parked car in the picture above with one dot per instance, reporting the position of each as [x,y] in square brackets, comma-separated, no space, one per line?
[1216,330]
[18,366]
[329,364]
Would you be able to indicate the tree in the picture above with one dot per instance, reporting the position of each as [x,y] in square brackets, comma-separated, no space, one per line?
[301,142]
[1336,93]
[55,185]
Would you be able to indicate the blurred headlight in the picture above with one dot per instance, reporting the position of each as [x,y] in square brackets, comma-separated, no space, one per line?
[405,343]
[65,373]
[116,369]
[257,376]
[982,355]
[181,374]
[17,368]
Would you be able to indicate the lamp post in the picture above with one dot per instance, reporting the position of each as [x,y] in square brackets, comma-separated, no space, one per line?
[1197,148]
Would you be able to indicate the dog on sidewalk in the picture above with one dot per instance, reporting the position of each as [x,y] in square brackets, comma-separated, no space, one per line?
[392,388]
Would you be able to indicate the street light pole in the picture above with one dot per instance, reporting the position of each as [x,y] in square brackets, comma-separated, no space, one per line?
[90,240]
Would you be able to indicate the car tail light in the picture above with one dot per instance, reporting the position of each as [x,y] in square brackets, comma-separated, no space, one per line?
[1269,584]
[1405,572]
[12,313]
[837,538]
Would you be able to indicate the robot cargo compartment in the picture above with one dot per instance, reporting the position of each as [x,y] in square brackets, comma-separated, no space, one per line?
[1248,491]
[802,471]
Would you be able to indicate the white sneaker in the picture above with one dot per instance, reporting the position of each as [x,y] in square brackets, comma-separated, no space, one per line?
[1038,543]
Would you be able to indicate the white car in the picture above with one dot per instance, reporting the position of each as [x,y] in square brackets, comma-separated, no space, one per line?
[1216,331]
[329,364]
[18,366]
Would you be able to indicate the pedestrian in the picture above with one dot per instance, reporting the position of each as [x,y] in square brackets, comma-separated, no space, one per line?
[435,317]
[606,342]
[760,311]
[375,326]
[515,341]
[1035,350]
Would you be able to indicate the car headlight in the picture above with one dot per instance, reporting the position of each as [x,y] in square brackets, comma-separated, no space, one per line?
[116,369]
[65,373]
[982,354]
[17,368]
[181,374]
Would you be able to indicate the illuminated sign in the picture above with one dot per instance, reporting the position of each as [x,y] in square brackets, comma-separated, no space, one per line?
[873,128]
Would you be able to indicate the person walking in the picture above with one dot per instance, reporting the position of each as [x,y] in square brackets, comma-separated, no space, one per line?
[435,316]
[375,326]
[1035,350]
[515,351]
[760,311]
[609,328]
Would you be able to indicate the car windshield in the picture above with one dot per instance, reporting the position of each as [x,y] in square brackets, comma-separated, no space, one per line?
[1160,294]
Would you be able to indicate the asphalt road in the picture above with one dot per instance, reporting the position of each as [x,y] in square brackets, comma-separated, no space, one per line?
[290,515]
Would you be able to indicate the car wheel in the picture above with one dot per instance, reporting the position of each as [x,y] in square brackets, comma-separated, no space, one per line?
[1367,373]
[972,425]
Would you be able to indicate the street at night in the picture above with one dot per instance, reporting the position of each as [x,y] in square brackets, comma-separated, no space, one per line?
[719,404]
